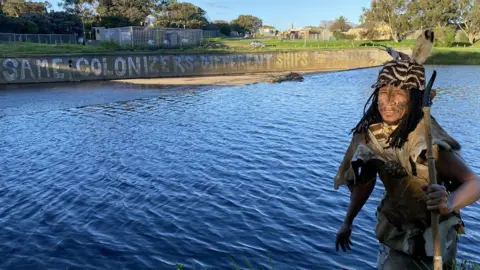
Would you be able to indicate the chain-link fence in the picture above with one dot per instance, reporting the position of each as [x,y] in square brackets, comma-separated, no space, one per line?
[211,33]
[39,38]
[147,37]
[322,36]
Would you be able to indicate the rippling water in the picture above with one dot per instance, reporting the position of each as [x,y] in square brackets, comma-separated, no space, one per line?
[198,178]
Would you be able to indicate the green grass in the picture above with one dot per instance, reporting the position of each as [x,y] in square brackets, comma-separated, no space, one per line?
[235,45]
[455,56]
[38,48]
[275,44]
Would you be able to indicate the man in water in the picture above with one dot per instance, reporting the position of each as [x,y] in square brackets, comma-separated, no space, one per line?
[389,141]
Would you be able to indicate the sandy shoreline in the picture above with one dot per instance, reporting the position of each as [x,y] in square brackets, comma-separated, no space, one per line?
[226,80]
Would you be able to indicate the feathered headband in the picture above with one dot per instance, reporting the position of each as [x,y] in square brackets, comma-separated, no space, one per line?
[404,71]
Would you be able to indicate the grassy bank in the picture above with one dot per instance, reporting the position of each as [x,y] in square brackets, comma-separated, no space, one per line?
[455,56]
[306,44]
[227,46]
[441,56]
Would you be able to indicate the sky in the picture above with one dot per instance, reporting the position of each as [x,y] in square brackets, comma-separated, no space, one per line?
[280,13]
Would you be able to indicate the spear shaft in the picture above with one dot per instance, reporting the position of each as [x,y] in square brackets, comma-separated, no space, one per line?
[432,173]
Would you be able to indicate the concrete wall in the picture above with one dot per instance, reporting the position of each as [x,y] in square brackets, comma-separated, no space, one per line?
[60,68]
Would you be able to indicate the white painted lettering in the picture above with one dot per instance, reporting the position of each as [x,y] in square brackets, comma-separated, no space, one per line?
[145,65]
[79,67]
[13,74]
[217,61]
[232,61]
[204,61]
[56,67]
[42,63]
[106,72]
[153,61]
[96,67]
[190,63]
[123,71]
[165,63]
[178,64]
[135,66]
[26,65]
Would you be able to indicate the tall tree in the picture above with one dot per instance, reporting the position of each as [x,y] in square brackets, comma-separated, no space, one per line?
[394,13]
[248,22]
[187,15]
[468,18]
[42,21]
[340,24]
[35,7]
[429,14]
[65,22]
[135,10]
[326,24]
[76,6]
[14,8]
[223,26]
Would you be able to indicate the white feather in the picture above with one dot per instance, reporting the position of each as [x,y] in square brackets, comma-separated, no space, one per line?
[423,47]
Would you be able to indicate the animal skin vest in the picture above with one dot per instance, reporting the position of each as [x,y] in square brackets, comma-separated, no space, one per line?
[403,221]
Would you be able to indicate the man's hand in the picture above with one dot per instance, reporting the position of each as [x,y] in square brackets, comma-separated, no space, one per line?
[437,199]
[343,237]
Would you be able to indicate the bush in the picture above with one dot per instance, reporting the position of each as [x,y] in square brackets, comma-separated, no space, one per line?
[44,25]
[29,27]
[17,25]
[225,29]
[444,36]
[342,36]
[113,21]
[461,37]
[369,33]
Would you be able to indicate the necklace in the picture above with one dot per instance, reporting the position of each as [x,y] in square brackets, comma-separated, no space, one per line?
[387,129]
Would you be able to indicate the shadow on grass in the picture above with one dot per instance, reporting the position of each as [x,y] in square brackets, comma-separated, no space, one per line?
[454,57]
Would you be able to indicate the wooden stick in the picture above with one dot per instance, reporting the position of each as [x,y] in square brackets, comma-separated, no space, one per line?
[432,175]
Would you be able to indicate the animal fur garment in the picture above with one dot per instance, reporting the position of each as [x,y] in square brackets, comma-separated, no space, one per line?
[421,51]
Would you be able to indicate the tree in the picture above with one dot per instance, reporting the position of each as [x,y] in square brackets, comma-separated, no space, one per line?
[340,24]
[248,22]
[368,31]
[65,22]
[14,8]
[113,21]
[468,18]
[76,6]
[326,24]
[135,10]
[187,15]
[35,7]
[44,25]
[394,13]
[162,5]
[223,27]
[429,14]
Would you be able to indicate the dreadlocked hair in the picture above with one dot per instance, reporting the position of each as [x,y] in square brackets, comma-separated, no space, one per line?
[407,125]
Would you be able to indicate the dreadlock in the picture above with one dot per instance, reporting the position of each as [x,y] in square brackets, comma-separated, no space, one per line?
[407,125]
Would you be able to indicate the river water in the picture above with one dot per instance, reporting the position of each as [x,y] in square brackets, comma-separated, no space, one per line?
[101,176]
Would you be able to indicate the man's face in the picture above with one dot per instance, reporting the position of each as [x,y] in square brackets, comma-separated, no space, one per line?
[392,104]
